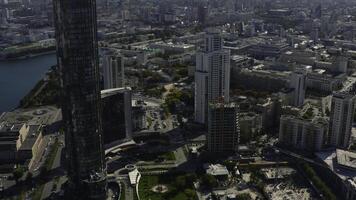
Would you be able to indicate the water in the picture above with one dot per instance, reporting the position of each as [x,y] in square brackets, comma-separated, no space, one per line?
[18,77]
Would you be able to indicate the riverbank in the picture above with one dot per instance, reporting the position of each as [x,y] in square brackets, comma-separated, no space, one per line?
[45,92]
[27,55]
[30,55]
[19,77]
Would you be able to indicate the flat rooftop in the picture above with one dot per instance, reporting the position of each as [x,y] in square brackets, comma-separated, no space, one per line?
[286,191]
[217,170]
[330,159]
[277,173]
[346,158]
[31,138]
[113,91]
[9,127]
[41,115]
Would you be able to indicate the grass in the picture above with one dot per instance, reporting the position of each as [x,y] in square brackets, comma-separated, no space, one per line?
[37,194]
[122,192]
[322,187]
[174,192]
[45,92]
[168,156]
[22,195]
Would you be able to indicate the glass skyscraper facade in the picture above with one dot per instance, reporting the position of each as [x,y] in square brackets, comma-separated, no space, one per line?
[77,53]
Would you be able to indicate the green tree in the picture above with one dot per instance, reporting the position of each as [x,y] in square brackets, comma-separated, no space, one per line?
[180,182]
[29,176]
[190,193]
[244,196]
[18,173]
[209,181]
[190,178]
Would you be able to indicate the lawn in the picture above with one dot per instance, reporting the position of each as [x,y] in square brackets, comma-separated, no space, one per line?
[122,192]
[22,195]
[175,192]
[168,156]
[37,194]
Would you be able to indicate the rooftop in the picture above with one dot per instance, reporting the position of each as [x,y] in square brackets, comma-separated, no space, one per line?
[31,137]
[346,158]
[134,176]
[10,127]
[217,170]
[113,91]
[329,158]
[277,173]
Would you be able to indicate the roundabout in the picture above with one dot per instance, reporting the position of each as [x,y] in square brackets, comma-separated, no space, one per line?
[160,189]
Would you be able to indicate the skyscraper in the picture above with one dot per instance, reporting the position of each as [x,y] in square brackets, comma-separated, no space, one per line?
[341,118]
[298,83]
[113,71]
[223,129]
[212,75]
[77,54]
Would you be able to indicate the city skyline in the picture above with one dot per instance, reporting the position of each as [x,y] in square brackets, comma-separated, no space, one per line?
[178,100]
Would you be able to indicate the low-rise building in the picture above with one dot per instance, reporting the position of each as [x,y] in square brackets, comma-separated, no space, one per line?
[216,170]
[11,138]
[324,82]
[19,142]
[264,50]
[171,47]
[240,61]
[340,170]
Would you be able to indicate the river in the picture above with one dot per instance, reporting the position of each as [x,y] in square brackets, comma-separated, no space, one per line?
[18,77]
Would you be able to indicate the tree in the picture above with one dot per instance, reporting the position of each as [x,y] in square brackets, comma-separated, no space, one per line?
[29,176]
[18,173]
[209,181]
[180,182]
[244,196]
[190,193]
[190,178]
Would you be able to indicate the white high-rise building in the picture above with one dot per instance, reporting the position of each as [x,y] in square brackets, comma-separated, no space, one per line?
[212,75]
[341,118]
[113,71]
[298,83]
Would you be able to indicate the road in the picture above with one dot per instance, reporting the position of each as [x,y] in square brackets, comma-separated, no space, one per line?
[49,186]
[129,190]
[289,153]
